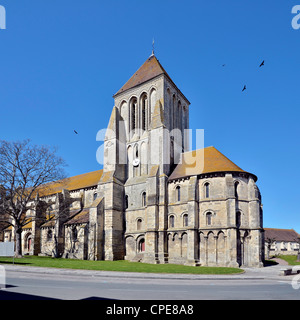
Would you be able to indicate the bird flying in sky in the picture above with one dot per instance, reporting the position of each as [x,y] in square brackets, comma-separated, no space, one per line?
[244,88]
[75,131]
[262,64]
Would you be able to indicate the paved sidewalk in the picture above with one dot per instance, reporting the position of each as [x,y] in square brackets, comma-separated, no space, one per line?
[280,261]
[270,272]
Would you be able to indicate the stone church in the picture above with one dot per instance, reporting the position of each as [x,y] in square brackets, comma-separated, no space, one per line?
[154,201]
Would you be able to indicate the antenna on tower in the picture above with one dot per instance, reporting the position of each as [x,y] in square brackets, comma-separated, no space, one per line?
[152,47]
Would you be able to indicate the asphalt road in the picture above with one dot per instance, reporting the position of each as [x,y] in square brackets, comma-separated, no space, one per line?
[38,286]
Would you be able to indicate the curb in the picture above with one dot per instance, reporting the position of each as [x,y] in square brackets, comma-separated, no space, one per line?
[130,275]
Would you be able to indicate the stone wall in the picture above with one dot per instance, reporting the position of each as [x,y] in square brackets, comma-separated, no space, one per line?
[76,241]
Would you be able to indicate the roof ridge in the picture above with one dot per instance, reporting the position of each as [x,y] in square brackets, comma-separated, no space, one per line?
[150,69]
[279,229]
[72,183]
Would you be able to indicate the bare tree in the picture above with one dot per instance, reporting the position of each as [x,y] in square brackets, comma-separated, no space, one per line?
[270,242]
[23,169]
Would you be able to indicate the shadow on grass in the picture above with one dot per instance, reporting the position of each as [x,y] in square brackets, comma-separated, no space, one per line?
[16,262]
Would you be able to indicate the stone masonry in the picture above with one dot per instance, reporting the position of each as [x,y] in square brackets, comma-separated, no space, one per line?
[154,201]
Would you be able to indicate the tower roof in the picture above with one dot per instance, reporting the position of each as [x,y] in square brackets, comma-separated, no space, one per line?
[202,161]
[149,70]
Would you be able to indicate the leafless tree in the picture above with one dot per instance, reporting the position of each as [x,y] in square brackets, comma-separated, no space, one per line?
[23,169]
[270,242]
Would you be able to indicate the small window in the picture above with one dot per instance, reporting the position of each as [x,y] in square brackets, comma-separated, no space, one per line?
[49,235]
[133,114]
[185,220]
[206,190]
[144,112]
[74,234]
[208,218]
[144,202]
[236,189]
[178,195]
[95,196]
[126,202]
[139,224]
[171,222]
[144,118]
[238,219]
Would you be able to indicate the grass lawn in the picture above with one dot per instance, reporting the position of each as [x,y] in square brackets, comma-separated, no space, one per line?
[121,265]
[290,259]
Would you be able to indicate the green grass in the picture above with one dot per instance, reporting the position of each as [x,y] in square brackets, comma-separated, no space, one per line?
[121,265]
[292,260]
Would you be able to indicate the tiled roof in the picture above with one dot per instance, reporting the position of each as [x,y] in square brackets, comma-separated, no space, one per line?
[149,70]
[202,161]
[281,234]
[82,217]
[73,183]
[28,224]
[50,221]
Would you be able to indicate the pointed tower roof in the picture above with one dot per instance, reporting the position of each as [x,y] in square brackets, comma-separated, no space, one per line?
[149,70]
[202,161]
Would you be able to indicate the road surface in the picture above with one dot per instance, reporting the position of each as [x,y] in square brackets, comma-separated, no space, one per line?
[38,283]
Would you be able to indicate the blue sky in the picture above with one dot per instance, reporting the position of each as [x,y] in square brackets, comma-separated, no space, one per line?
[62,61]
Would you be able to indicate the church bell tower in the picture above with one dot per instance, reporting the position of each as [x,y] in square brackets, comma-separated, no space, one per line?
[155,115]
[144,139]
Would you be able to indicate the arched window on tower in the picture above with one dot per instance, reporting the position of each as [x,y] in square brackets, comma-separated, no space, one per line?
[133,107]
[136,170]
[152,103]
[126,201]
[144,201]
[206,190]
[143,118]
[170,109]
[185,117]
[179,115]
[139,224]
[238,219]
[174,111]
[185,220]
[144,112]
[171,222]
[178,195]
[208,218]
[172,150]
[236,184]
